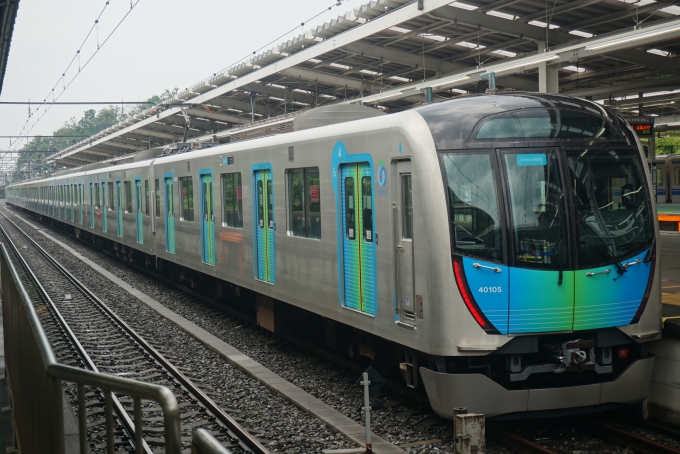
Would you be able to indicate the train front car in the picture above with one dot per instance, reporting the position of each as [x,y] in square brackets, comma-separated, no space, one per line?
[553,246]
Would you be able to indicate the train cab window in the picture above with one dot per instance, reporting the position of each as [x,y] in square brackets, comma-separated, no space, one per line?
[473,205]
[232,200]
[367,208]
[612,206]
[536,208]
[128,196]
[97,197]
[406,207]
[350,229]
[158,198]
[146,197]
[304,202]
[186,190]
[111,203]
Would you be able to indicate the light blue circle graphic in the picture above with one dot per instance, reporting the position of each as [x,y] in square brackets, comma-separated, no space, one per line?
[382,176]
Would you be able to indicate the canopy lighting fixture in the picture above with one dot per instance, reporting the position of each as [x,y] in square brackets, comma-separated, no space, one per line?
[385,95]
[440,82]
[523,62]
[635,36]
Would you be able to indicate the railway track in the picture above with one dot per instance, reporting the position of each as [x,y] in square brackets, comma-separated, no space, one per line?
[590,427]
[84,332]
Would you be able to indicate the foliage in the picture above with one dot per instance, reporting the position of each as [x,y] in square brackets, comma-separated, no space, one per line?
[668,144]
[30,164]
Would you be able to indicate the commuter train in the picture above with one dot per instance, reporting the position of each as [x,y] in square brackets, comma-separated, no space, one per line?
[499,250]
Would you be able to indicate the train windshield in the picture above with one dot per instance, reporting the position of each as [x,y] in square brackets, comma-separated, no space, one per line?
[610,198]
[605,195]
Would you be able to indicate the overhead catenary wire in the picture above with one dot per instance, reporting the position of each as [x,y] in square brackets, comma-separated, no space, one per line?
[80,69]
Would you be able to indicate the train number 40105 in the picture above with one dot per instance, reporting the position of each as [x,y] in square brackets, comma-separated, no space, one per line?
[490,289]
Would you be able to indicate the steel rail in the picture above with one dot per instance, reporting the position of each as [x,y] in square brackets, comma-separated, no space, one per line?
[248,441]
[507,438]
[124,418]
[631,440]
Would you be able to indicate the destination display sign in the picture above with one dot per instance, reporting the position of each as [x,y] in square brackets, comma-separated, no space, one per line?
[643,126]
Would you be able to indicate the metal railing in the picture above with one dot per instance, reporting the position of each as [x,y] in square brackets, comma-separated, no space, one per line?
[36,382]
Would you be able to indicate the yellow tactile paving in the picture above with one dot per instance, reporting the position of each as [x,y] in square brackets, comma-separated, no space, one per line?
[670,298]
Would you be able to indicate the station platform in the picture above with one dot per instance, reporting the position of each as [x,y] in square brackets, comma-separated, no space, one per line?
[670,274]
[669,217]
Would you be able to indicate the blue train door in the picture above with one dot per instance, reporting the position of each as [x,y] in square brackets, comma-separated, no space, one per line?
[264,229]
[140,217]
[91,207]
[72,197]
[169,216]
[358,247]
[119,200]
[208,220]
[80,202]
[105,223]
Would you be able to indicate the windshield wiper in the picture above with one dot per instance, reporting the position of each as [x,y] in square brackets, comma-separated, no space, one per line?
[603,246]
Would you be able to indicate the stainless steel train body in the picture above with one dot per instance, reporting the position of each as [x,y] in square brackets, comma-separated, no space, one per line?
[477,233]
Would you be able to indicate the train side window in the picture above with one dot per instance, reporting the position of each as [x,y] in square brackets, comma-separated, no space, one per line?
[128,196]
[97,197]
[406,207]
[186,189]
[146,197]
[232,200]
[304,202]
[349,208]
[677,177]
[158,198]
[367,208]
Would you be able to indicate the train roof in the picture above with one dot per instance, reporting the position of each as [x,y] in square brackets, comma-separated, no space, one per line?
[465,112]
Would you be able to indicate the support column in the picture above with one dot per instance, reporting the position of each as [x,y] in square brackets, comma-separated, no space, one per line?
[548,76]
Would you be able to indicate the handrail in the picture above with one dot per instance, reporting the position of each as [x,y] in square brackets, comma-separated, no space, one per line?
[204,443]
[36,376]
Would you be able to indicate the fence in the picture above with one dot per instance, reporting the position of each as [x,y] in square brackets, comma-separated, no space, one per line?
[36,381]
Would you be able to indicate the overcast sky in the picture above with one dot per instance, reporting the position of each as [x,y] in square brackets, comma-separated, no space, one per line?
[161,44]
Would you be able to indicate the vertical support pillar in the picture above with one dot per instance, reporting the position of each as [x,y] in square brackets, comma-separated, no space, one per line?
[548,76]
[428,95]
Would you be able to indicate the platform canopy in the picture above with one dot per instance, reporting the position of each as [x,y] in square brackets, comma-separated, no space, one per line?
[388,52]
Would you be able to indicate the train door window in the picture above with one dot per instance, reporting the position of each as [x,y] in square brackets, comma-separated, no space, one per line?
[186,189]
[111,204]
[260,204]
[270,205]
[676,181]
[349,207]
[146,197]
[659,176]
[97,197]
[406,207]
[105,221]
[304,202]
[535,194]
[232,200]
[128,196]
[158,198]
[367,208]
